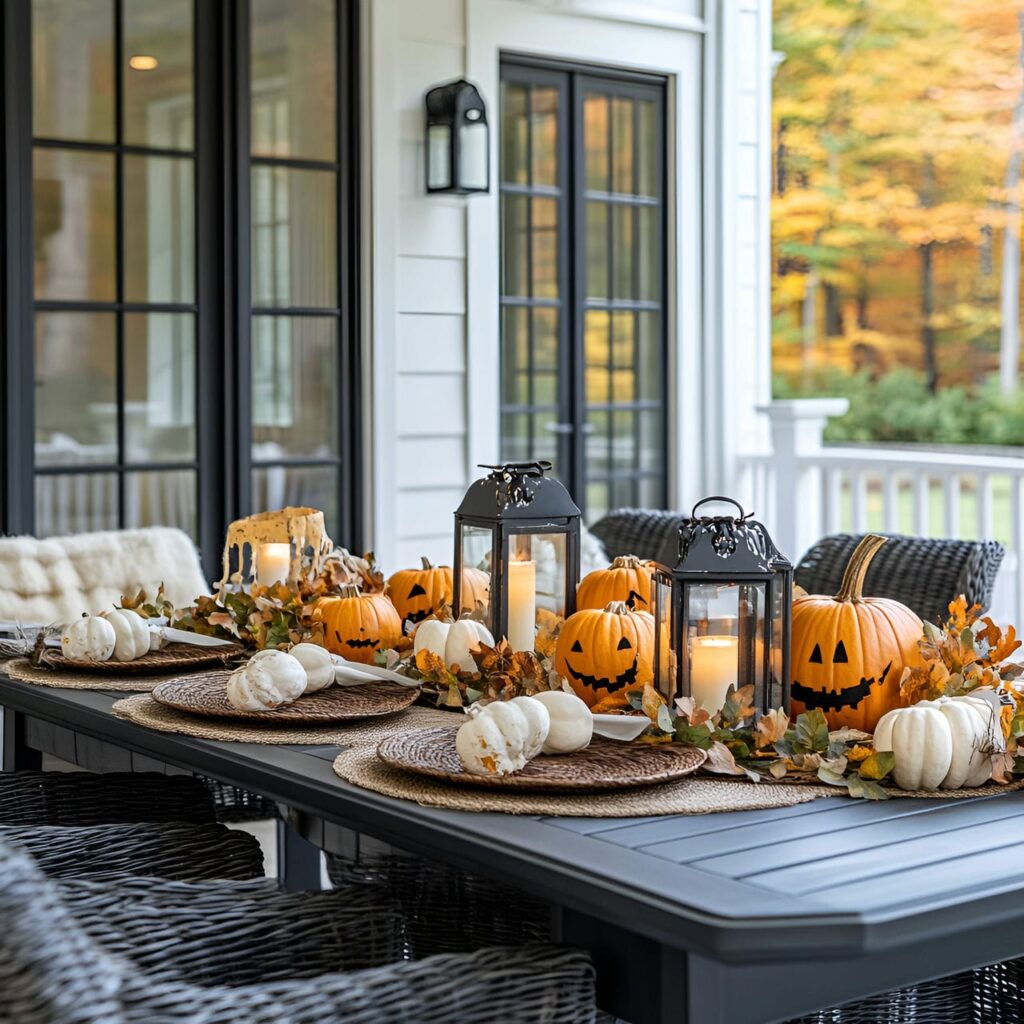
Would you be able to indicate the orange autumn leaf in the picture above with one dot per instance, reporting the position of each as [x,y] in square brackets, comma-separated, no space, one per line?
[430,664]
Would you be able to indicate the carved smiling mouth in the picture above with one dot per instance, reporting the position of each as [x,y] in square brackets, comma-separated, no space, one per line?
[836,700]
[611,685]
[368,642]
[412,618]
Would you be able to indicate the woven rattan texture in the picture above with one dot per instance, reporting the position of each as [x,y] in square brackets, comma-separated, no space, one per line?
[923,574]
[22,670]
[52,972]
[173,658]
[82,798]
[188,853]
[206,694]
[604,765]
[646,533]
[142,709]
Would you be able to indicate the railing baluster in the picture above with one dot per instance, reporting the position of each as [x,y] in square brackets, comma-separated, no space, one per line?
[859,491]
[891,502]
[984,485]
[832,484]
[922,497]
[951,504]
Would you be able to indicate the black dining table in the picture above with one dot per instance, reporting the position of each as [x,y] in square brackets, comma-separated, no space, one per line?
[748,916]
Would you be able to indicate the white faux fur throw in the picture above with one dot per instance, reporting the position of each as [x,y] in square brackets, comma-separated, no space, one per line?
[55,580]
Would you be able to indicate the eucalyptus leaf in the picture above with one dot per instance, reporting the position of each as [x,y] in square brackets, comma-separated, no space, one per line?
[932,632]
[693,735]
[831,777]
[665,723]
[877,765]
[812,732]
[865,789]
[967,638]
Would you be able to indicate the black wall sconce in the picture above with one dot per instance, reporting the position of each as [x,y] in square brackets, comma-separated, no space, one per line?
[458,142]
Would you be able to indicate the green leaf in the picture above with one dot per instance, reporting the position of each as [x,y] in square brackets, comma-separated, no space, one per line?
[967,638]
[693,735]
[877,765]
[472,696]
[932,632]
[665,723]
[811,733]
[636,699]
[865,789]
[1017,724]
[739,749]
[831,777]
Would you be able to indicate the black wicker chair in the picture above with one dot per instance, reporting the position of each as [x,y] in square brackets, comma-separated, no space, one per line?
[923,574]
[644,532]
[53,972]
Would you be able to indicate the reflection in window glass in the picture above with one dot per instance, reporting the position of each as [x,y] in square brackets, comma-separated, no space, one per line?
[161,498]
[75,503]
[312,486]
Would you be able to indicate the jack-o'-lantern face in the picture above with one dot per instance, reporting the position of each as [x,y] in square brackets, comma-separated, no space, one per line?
[358,625]
[841,697]
[606,653]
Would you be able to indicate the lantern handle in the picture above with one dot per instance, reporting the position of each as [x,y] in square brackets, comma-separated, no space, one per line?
[721,497]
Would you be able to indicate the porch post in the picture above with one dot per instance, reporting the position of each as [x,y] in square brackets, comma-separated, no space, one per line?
[797,430]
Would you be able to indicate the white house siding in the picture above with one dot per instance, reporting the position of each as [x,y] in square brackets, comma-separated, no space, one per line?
[432,263]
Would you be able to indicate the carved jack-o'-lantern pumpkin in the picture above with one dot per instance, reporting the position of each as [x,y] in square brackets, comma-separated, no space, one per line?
[849,651]
[606,652]
[627,579]
[419,593]
[357,625]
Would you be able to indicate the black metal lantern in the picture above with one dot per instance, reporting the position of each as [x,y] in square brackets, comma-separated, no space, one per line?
[522,529]
[724,613]
[458,146]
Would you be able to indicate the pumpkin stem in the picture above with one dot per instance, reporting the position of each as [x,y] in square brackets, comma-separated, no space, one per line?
[626,562]
[349,590]
[618,608]
[852,587]
[427,564]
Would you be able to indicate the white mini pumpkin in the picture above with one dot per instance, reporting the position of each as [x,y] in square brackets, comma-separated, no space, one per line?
[267,681]
[539,722]
[571,722]
[977,735]
[131,632]
[453,641]
[316,660]
[495,740]
[89,638]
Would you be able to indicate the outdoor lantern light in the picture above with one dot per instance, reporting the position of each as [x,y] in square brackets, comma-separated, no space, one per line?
[523,529]
[724,613]
[458,149]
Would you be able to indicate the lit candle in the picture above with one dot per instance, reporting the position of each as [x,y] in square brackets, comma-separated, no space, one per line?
[522,605]
[712,670]
[273,563]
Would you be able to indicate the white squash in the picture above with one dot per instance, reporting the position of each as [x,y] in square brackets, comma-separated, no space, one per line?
[495,739]
[453,641]
[89,638]
[131,631]
[316,660]
[976,734]
[921,739]
[539,722]
[269,680]
[571,722]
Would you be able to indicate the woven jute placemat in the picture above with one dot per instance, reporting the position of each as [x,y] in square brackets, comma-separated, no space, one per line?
[24,671]
[142,709]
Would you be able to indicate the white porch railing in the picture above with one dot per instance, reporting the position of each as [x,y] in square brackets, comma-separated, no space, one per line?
[806,489]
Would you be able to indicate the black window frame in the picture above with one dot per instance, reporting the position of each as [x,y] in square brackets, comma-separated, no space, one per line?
[222,294]
[573,79]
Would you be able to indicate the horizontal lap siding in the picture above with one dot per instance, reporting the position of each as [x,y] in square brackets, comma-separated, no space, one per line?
[430,296]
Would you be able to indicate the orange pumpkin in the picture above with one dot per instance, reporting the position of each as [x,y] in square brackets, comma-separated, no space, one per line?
[606,652]
[627,579]
[419,593]
[849,651]
[357,625]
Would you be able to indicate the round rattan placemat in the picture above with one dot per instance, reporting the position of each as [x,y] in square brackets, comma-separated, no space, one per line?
[603,765]
[142,709]
[206,694]
[172,658]
[24,671]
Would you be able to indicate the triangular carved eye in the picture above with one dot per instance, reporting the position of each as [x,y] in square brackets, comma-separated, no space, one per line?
[815,658]
[624,644]
[840,658]
[417,591]
[577,647]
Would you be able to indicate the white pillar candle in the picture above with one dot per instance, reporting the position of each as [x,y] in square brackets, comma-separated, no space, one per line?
[273,563]
[522,605]
[712,670]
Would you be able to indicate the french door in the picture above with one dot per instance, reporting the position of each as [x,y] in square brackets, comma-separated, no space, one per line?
[583,331]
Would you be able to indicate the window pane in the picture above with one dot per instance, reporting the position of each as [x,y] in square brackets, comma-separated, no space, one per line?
[294,387]
[161,498]
[651,359]
[525,436]
[73,69]
[545,338]
[159,218]
[545,248]
[647,171]
[515,346]
[544,134]
[597,324]
[597,250]
[157,68]
[293,78]
[76,390]
[276,487]
[75,503]
[622,247]
[623,356]
[514,127]
[294,237]
[595,142]
[73,200]
[648,252]
[622,144]
[160,387]
[515,231]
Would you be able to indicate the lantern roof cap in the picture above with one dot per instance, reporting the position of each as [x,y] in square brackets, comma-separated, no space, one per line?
[727,544]
[517,491]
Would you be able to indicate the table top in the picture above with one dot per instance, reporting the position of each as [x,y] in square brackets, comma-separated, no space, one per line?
[834,877]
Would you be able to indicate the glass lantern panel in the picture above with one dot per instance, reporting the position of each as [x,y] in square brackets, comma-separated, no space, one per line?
[776,694]
[477,562]
[536,585]
[724,635]
[664,653]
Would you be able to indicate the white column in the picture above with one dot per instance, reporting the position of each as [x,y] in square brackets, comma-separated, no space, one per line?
[797,429]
